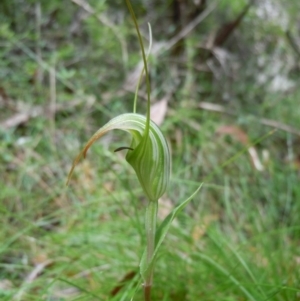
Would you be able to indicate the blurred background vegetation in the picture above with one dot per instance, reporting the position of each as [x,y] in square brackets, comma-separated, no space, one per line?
[223,75]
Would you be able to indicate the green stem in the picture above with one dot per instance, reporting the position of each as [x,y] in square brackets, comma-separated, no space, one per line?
[150,223]
[141,75]
[145,65]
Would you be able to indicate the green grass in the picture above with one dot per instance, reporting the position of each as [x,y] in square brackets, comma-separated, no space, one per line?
[237,240]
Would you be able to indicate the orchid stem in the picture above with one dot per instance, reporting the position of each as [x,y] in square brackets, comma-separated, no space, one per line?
[150,223]
[145,65]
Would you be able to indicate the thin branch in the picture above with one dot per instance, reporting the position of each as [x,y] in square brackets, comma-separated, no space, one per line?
[268,122]
[190,27]
[21,118]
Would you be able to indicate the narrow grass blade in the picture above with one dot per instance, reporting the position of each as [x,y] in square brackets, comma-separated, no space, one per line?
[223,271]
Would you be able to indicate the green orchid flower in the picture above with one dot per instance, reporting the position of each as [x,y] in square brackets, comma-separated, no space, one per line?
[148,153]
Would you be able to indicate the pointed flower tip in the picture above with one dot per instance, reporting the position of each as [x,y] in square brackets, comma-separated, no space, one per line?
[148,153]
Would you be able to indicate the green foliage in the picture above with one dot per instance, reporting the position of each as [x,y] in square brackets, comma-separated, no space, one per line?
[162,231]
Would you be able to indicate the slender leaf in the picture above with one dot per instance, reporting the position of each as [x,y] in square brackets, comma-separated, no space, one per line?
[162,232]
